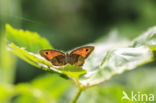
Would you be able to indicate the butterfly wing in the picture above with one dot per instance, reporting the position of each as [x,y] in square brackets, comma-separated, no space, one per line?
[78,56]
[75,59]
[55,57]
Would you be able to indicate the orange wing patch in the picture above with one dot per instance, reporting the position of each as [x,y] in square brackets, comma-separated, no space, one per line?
[50,54]
[84,51]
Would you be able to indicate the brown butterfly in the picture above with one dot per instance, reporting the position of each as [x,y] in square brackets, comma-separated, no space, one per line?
[76,57]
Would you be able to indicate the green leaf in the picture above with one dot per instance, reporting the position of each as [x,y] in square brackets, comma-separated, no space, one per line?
[20,43]
[108,59]
[146,39]
[69,70]
[141,80]
[112,58]
[30,57]
[116,62]
[31,41]
[72,71]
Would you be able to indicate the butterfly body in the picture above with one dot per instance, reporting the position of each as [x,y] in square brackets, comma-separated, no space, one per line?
[76,57]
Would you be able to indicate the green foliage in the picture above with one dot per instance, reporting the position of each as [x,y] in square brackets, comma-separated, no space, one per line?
[35,92]
[140,80]
[51,86]
[31,41]
[72,71]
[68,25]
[109,94]
[117,60]
[29,57]
[18,39]
[146,39]
[108,59]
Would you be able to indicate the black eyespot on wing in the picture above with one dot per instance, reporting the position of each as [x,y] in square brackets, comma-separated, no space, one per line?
[46,53]
[86,49]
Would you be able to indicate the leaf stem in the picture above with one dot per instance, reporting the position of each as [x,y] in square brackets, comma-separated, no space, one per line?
[77,96]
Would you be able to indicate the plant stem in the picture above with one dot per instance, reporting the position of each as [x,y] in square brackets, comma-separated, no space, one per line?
[77,96]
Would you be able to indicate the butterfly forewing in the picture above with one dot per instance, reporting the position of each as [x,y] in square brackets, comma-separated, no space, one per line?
[84,51]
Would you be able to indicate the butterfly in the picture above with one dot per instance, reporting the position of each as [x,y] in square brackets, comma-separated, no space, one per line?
[76,57]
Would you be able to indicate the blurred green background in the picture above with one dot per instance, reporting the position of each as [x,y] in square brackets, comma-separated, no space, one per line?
[71,23]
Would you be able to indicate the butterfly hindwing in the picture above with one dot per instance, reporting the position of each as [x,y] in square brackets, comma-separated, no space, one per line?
[58,60]
[55,57]
[76,60]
